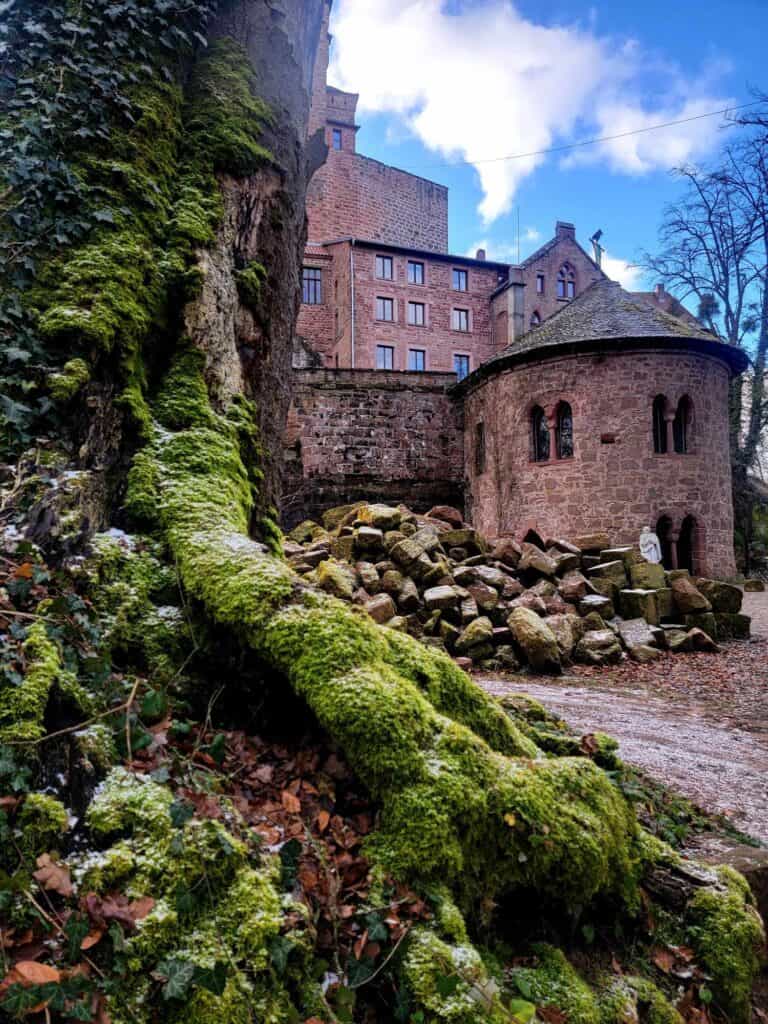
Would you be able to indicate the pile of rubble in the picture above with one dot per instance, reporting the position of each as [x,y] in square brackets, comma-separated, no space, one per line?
[502,605]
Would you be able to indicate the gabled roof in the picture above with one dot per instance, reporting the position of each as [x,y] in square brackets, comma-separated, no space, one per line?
[604,316]
[553,243]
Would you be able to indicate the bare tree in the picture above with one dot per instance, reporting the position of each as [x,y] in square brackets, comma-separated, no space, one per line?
[713,246]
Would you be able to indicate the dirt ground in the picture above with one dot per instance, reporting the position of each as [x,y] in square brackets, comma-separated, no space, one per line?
[698,722]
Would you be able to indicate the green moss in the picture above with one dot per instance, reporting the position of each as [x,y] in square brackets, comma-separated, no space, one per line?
[213,905]
[22,707]
[249,281]
[727,933]
[96,747]
[73,377]
[553,981]
[449,983]
[42,821]
[224,117]
[632,998]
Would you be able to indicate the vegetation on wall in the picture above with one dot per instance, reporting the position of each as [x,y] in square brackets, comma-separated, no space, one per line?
[402,847]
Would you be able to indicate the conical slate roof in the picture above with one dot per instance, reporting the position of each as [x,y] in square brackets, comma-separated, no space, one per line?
[604,317]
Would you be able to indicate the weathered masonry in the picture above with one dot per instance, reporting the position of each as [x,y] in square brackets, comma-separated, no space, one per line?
[542,394]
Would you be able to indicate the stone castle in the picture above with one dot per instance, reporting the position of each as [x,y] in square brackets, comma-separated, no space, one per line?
[541,397]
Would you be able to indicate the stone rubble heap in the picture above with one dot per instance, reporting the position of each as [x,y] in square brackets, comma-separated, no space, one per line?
[501,605]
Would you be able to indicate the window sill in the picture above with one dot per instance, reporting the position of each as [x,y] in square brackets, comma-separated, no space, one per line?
[672,455]
[552,463]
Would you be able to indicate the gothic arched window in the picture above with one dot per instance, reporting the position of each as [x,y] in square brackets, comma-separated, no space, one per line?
[539,435]
[566,282]
[659,425]
[682,425]
[564,431]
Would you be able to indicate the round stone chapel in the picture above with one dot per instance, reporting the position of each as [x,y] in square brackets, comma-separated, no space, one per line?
[610,416]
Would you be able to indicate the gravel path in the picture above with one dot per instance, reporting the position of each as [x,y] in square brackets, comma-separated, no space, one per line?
[698,722]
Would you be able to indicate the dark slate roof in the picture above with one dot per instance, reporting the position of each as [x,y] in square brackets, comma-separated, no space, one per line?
[604,316]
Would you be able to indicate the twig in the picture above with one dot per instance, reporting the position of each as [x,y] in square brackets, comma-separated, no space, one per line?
[80,725]
[384,963]
[55,924]
[129,751]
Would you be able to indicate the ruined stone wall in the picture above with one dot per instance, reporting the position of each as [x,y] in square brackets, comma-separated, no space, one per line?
[614,481]
[362,434]
[353,195]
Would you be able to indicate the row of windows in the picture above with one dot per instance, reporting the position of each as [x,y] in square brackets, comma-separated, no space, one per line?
[566,282]
[541,442]
[541,439]
[417,314]
[417,360]
[385,271]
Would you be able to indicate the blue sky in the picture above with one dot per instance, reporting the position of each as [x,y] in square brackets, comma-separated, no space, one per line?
[443,83]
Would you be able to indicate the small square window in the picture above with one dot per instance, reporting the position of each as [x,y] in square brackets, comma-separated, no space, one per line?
[460,320]
[337,138]
[416,314]
[311,286]
[415,272]
[417,360]
[539,284]
[460,280]
[385,309]
[385,357]
[384,268]
[461,366]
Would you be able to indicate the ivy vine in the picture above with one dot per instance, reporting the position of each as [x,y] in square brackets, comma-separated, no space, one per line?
[67,75]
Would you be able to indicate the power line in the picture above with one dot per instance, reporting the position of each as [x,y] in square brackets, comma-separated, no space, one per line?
[593,142]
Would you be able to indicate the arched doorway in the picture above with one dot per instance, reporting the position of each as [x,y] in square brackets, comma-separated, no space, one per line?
[686,545]
[664,532]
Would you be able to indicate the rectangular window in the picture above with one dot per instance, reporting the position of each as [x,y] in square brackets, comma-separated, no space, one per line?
[385,357]
[311,286]
[384,268]
[460,283]
[539,284]
[385,309]
[417,359]
[460,320]
[560,288]
[479,448]
[571,290]
[337,138]
[461,366]
[415,272]
[416,314]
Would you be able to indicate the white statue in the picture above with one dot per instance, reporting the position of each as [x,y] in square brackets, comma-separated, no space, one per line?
[650,547]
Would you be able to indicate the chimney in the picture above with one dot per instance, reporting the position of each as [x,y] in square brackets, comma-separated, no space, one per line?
[565,230]
[516,307]
[659,291]
[480,254]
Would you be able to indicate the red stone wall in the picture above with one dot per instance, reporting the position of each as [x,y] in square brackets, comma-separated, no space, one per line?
[566,250]
[353,195]
[436,338]
[618,487]
[357,434]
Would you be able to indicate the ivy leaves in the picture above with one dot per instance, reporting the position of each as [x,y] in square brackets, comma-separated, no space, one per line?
[66,78]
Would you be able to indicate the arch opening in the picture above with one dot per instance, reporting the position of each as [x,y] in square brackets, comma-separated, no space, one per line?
[539,435]
[682,425]
[660,425]
[564,431]
[664,533]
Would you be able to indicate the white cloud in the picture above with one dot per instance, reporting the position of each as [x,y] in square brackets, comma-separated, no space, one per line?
[501,252]
[486,82]
[627,274]
[531,234]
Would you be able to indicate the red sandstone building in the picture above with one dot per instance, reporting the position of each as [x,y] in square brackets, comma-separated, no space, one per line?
[542,396]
